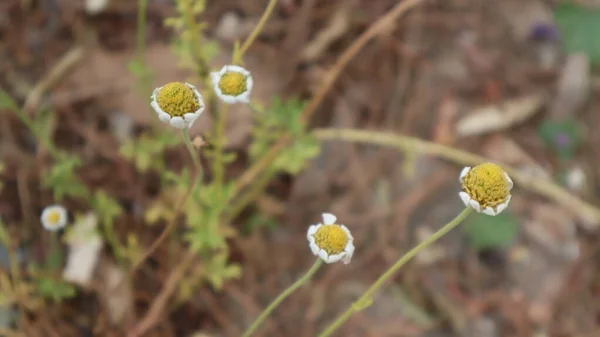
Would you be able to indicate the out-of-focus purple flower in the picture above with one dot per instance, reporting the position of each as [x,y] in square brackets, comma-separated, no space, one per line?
[562,140]
[544,32]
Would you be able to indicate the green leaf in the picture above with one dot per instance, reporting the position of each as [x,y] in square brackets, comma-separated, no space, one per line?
[56,290]
[488,232]
[62,179]
[108,209]
[579,27]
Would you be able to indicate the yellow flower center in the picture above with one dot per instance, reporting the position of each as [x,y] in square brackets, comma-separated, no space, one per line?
[177,99]
[53,218]
[232,83]
[331,238]
[487,184]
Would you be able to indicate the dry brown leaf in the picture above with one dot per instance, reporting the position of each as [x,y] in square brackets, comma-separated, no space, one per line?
[499,116]
[116,293]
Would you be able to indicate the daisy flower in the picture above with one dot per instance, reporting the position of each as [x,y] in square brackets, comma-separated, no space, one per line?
[330,241]
[54,217]
[232,84]
[486,188]
[178,104]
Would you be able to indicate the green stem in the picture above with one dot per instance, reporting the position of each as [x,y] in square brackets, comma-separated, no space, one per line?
[54,257]
[282,297]
[259,26]
[366,298]
[185,132]
[141,29]
[219,142]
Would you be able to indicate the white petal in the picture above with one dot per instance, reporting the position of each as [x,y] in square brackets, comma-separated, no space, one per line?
[473,203]
[464,197]
[489,211]
[237,69]
[243,97]
[216,78]
[155,93]
[463,173]
[156,107]
[227,99]
[347,231]
[314,248]
[190,117]
[336,257]
[313,229]
[328,218]
[501,207]
[249,83]
[164,117]
[178,122]
[324,256]
[510,182]
[349,249]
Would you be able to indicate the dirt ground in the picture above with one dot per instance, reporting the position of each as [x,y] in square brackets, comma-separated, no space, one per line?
[437,74]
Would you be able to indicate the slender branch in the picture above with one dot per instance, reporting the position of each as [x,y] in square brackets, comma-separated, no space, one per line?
[587,212]
[257,29]
[301,281]
[381,25]
[366,298]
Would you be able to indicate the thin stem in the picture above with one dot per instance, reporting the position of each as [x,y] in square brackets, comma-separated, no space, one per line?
[380,26]
[54,257]
[282,297]
[259,26]
[366,298]
[185,132]
[219,142]
[141,29]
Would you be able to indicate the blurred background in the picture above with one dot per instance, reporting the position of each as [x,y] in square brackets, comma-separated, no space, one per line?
[513,81]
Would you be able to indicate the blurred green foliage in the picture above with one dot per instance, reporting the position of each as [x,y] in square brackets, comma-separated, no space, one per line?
[489,232]
[579,28]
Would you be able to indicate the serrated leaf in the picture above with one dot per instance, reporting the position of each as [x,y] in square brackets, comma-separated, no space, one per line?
[579,27]
[488,232]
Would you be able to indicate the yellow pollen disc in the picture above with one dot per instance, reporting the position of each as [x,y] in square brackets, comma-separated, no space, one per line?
[487,184]
[232,83]
[177,99]
[53,218]
[331,238]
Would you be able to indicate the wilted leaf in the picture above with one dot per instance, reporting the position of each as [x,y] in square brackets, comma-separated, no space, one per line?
[499,116]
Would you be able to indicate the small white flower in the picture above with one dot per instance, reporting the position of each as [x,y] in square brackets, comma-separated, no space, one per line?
[178,104]
[485,188]
[330,241]
[232,84]
[54,217]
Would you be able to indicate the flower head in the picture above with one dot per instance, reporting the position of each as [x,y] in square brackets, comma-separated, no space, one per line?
[54,217]
[232,84]
[330,241]
[486,188]
[178,104]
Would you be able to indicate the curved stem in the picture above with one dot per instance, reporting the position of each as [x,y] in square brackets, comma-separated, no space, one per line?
[588,213]
[259,26]
[365,299]
[282,297]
